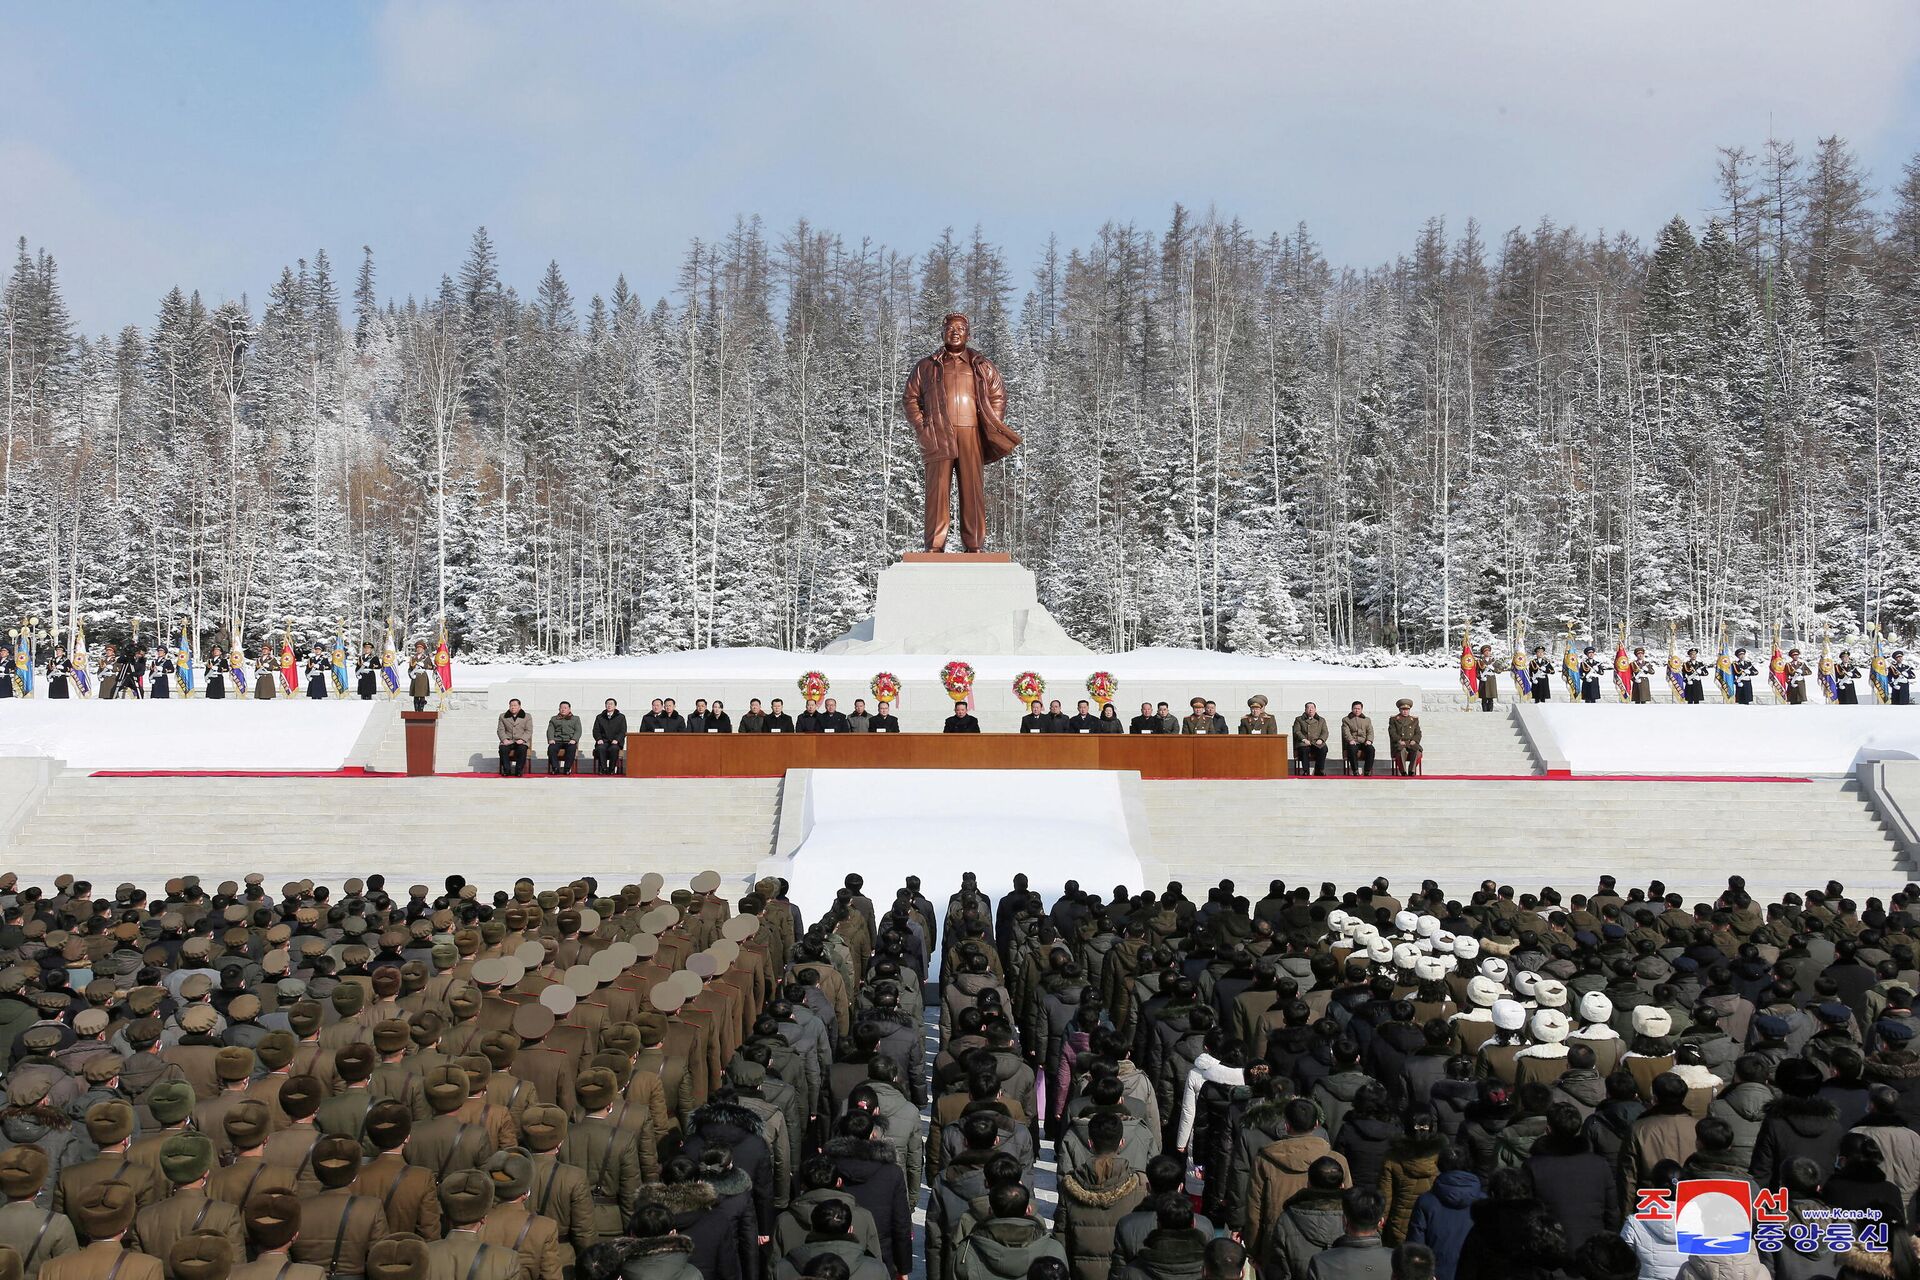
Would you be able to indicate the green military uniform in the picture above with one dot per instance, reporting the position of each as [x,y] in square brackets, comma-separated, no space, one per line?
[186,1159]
[465,1198]
[1403,736]
[37,1235]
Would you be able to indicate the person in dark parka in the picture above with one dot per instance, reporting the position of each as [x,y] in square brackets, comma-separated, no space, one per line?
[1576,1184]
[722,1236]
[1799,1124]
[869,1173]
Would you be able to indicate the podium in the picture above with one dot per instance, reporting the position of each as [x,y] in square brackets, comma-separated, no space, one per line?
[421,727]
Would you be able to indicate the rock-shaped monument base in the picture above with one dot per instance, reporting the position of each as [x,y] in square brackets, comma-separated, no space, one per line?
[981,604]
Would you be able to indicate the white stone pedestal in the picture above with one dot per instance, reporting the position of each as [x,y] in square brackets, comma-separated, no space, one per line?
[957,604]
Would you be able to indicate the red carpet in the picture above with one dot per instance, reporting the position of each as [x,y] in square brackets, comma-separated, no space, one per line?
[1378,777]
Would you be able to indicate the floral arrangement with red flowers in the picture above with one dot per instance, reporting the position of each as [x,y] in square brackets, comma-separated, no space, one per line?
[885,687]
[1029,687]
[1102,686]
[813,686]
[957,679]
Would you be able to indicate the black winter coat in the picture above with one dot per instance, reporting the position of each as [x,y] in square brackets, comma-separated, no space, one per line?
[1796,1127]
[870,1175]
[731,1125]
[1577,1186]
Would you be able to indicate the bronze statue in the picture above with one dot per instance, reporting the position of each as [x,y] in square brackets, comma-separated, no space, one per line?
[957,405]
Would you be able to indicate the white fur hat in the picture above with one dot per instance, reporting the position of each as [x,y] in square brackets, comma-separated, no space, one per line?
[1509,1015]
[1483,992]
[1466,947]
[1404,921]
[1425,945]
[1525,981]
[1337,921]
[1549,1026]
[1550,993]
[1596,1006]
[1429,968]
[1405,955]
[1379,950]
[1361,932]
[1651,1020]
[1494,967]
[1427,926]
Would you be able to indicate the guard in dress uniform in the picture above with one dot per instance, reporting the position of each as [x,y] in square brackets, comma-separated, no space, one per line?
[1486,678]
[59,672]
[1846,679]
[266,678]
[6,672]
[1590,669]
[1403,738]
[1798,673]
[367,673]
[1900,675]
[317,664]
[420,675]
[1257,722]
[1693,674]
[1540,674]
[108,672]
[1745,672]
[160,671]
[1641,669]
[216,672]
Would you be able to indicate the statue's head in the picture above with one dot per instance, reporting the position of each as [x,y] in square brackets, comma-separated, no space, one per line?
[954,330]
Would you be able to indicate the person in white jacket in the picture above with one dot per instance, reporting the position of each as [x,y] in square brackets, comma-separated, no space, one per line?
[1211,1065]
[1656,1240]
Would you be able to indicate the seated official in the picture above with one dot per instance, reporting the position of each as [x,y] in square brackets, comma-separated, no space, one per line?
[777,721]
[609,738]
[1036,720]
[832,719]
[1169,723]
[1083,720]
[858,720]
[655,720]
[1257,723]
[1310,741]
[514,729]
[809,720]
[1198,720]
[961,721]
[563,740]
[755,721]
[1109,720]
[1356,741]
[718,721]
[1213,713]
[1403,736]
[884,721]
[671,717]
[697,718]
[1146,721]
[1058,718]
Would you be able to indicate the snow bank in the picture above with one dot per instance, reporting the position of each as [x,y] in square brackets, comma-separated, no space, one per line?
[1767,740]
[937,823]
[184,733]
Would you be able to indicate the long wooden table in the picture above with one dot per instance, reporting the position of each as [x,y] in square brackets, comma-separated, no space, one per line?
[767,755]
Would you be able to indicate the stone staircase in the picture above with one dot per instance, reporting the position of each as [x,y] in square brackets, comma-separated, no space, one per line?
[1527,833]
[1464,742]
[489,830]
[464,740]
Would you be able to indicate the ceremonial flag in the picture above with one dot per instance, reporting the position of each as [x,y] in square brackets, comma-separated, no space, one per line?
[1724,666]
[23,660]
[1522,678]
[183,665]
[443,661]
[1777,668]
[339,656]
[289,664]
[1882,678]
[1676,669]
[1570,667]
[389,666]
[1469,669]
[81,676]
[1623,669]
[1829,682]
[237,664]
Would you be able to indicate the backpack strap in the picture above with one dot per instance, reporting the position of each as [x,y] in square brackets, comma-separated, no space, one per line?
[340,1235]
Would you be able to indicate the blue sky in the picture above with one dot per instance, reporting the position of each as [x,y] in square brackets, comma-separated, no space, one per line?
[209,144]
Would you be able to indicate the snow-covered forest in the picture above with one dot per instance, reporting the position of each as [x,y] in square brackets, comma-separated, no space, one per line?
[1230,441]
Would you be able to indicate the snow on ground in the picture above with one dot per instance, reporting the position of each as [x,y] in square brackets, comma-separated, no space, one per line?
[184,733]
[1055,825]
[1766,740]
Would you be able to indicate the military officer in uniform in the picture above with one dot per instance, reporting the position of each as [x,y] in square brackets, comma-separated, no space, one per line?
[1798,672]
[1641,670]
[273,1219]
[105,1214]
[40,1235]
[1197,720]
[607,1150]
[110,1127]
[407,1193]
[1540,674]
[1900,675]
[513,1221]
[187,1159]
[1403,738]
[1590,668]
[1745,672]
[337,1227]
[1693,674]
[1486,676]
[1257,722]
[466,1196]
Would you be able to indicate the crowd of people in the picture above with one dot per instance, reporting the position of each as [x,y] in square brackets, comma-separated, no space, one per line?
[585,1083]
[1841,679]
[514,728]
